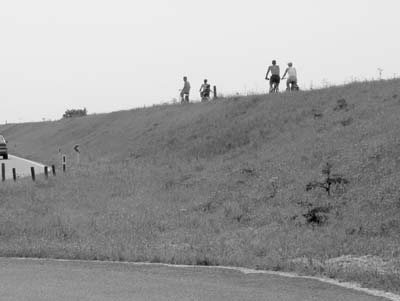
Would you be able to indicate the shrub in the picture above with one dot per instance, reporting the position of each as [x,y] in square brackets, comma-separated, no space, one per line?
[75,113]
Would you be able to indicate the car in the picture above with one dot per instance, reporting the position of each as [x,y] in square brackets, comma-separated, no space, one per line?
[3,148]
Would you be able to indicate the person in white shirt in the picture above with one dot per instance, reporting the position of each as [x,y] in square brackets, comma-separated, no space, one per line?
[292,77]
[185,90]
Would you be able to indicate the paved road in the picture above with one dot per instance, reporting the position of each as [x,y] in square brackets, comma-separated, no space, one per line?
[22,166]
[49,280]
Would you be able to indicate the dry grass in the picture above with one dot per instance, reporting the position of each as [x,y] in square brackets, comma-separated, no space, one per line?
[218,183]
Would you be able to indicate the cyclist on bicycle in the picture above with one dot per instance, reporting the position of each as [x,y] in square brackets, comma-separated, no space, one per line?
[291,83]
[205,91]
[275,77]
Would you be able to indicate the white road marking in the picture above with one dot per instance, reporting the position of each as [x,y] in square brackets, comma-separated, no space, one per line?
[348,285]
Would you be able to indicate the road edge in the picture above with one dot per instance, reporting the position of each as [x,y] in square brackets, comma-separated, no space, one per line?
[28,161]
[348,285]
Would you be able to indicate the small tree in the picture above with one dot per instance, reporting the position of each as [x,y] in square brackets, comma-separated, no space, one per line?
[330,180]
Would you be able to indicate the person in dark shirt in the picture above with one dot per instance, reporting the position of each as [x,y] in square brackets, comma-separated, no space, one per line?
[275,77]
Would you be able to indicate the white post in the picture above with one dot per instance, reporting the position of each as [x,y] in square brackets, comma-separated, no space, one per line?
[60,155]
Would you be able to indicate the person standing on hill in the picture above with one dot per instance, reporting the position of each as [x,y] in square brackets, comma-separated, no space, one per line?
[275,77]
[205,90]
[292,78]
[185,90]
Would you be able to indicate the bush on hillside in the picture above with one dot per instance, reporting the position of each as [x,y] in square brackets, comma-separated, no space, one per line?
[75,113]
[317,212]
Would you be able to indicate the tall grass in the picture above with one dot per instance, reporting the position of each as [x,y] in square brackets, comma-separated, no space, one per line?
[218,183]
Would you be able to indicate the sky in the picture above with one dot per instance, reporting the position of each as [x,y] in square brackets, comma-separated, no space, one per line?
[121,54]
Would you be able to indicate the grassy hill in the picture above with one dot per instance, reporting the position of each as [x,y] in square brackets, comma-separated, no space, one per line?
[286,182]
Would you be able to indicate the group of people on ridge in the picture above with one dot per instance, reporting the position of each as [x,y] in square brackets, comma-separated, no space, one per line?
[274,81]
[205,90]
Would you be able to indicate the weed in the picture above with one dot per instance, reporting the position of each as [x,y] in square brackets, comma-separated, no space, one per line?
[317,215]
[329,182]
[317,114]
[274,187]
[347,122]
[341,104]
[248,171]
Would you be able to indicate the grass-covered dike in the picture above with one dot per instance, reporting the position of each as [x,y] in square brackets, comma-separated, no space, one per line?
[305,182]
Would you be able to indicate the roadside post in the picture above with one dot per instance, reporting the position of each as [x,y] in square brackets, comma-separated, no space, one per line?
[64,163]
[33,173]
[78,152]
[14,172]
[53,169]
[215,92]
[46,172]
[3,172]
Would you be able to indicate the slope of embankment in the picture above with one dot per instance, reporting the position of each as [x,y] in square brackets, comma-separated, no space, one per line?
[294,181]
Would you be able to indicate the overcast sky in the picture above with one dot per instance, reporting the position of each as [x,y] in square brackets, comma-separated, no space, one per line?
[111,55]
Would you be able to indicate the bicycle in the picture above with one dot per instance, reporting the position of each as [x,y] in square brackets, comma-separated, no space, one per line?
[185,98]
[205,95]
[292,86]
[205,98]
[274,88]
